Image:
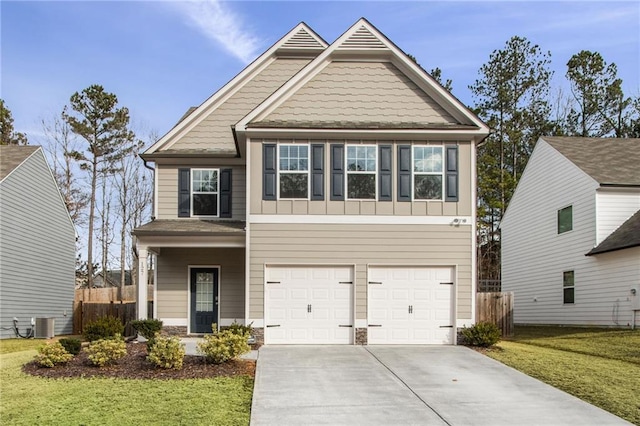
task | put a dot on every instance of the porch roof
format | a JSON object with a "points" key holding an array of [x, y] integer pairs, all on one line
{"points": [[189, 227]]}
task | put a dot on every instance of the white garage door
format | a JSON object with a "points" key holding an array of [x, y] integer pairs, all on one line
{"points": [[410, 305], [309, 305]]}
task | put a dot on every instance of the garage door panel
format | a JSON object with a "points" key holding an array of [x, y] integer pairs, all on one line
{"points": [[417, 307], [316, 301]]}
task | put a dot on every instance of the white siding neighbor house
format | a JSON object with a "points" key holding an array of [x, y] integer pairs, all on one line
{"points": [[37, 244], [571, 234], [325, 195]]}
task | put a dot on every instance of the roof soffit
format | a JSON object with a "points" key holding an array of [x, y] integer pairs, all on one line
{"points": [[362, 41], [194, 118]]}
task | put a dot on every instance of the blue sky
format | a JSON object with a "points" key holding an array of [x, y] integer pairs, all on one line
{"points": [[162, 57]]}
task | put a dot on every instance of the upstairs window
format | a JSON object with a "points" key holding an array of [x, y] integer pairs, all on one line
{"points": [[204, 192], [293, 171], [565, 219], [427, 173], [361, 172], [568, 287]]}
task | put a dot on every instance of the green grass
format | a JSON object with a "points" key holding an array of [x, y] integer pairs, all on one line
{"points": [[17, 345], [599, 366], [28, 400]]}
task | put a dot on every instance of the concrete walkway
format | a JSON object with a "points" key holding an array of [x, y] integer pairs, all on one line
{"points": [[405, 385]]}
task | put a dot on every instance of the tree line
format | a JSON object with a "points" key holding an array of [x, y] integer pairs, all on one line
{"points": [[93, 154], [513, 94]]}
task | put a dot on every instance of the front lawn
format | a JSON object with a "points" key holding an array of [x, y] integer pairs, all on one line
{"points": [[29, 400], [17, 345], [599, 366]]}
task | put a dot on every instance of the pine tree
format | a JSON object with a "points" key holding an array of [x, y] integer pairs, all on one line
{"points": [[8, 135]]}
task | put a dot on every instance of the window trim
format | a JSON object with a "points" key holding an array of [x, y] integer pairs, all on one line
{"points": [[566, 287], [558, 219], [308, 171], [358, 172], [442, 174], [192, 192]]}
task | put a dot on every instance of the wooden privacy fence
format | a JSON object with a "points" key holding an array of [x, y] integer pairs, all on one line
{"points": [[111, 294], [84, 312], [496, 308]]}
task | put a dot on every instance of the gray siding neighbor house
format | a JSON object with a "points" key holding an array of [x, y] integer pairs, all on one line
{"points": [[571, 234], [37, 243], [325, 195]]}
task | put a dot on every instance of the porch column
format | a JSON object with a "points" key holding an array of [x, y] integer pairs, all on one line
{"points": [[143, 272]]}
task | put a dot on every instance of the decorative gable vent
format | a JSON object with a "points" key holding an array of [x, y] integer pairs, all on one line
{"points": [[302, 39], [362, 38]]}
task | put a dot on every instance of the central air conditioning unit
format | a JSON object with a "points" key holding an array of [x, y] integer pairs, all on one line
{"points": [[44, 328]]}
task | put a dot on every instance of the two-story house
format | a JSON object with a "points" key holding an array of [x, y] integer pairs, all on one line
{"points": [[326, 194], [571, 234]]}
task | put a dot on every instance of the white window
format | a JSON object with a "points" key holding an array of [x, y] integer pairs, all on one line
{"points": [[428, 167], [293, 171], [204, 192], [361, 172]]}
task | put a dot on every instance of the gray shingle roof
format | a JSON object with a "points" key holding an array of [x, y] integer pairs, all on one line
{"points": [[359, 125], [626, 236], [187, 227], [11, 156], [610, 161]]}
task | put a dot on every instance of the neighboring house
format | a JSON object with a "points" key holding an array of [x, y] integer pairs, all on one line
{"points": [[37, 243], [571, 234], [112, 278], [326, 194]]}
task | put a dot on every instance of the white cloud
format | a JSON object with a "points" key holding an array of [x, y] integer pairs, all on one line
{"points": [[219, 23]]}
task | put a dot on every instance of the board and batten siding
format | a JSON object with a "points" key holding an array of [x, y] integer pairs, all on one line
{"points": [[214, 131], [167, 199], [463, 207], [534, 255], [614, 207], [360, 245], [37, 249], [172, 290], [372, 92]]}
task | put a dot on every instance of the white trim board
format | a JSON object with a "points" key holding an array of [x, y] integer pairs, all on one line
{"points": [[363, 220]]}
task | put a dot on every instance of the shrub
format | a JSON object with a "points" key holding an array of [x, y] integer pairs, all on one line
{"points": [[147, 328], [166, 352], [103, 328], [242, 330], [51, 354], [483, 334], [71, 345], [107, 351], [224, 345]]}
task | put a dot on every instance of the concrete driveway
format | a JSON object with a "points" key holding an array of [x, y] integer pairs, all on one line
{"points": [[404, 385]]}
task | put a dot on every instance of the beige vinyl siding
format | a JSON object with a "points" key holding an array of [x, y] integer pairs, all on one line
{"points": [[367, 207], [360, 245], [534, 255], [214, 132], [361, 92], [37, 249], [167, 199], [173, 280]]}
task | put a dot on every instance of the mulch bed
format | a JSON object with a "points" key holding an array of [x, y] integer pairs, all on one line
{"points": [[135, 366]]}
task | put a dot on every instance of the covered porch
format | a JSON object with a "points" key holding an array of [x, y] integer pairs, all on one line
{"points": [[199, 273]]}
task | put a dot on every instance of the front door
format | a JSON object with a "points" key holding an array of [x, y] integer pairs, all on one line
{"points": [[204, 299]]}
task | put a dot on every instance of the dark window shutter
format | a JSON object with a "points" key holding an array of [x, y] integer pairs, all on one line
{"points": [[317, 172], [337, 172], [404, 173], [384, 173], [184, 192], [225, 193], [451, 182], [269, 172]]}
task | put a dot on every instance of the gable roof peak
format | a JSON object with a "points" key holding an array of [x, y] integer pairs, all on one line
{"points": [[302, 37], [363, 35]]}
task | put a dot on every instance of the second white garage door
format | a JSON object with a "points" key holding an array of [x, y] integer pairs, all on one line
{"points": [[309, 305], [411, 305]]}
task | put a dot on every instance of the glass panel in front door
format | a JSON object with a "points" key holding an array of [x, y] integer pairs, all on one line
{"points": [[204, 292]]}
